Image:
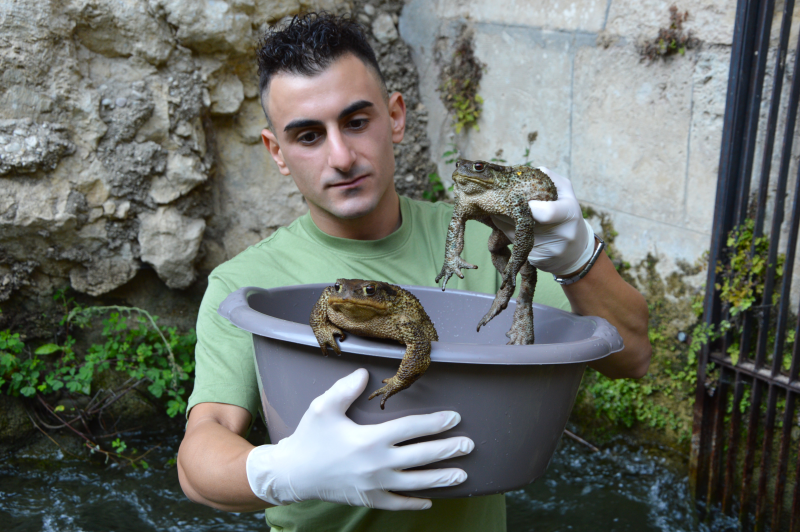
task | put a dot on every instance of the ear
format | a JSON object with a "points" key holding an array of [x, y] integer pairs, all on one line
{"points": [[397, 116], [274, 149]]}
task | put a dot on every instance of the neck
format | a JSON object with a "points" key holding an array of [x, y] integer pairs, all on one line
{"points": [[381, 222]]}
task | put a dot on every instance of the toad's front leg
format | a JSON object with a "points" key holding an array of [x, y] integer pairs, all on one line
{"points": [[523, 241], [322, 326], [454, 245]]}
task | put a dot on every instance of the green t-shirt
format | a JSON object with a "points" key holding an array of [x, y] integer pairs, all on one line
{"points": [[301, 254]]}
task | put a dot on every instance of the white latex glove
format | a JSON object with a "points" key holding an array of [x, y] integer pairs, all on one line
{"points": [[331, 458], [563, 241]]}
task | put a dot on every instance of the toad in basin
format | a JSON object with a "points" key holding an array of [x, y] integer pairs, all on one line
{"points": [[379, 310], [483, 189]]}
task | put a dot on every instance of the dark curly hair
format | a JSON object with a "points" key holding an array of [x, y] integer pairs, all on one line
{"points": [[308, 45]]}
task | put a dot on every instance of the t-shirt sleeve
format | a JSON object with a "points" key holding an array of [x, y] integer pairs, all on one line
{"points": [[225, 365]]}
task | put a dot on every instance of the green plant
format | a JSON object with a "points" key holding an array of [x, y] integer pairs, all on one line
{"points": [[459, 82], [133, 344], [670, 40]]}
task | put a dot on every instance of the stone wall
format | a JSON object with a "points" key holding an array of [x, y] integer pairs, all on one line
{"points": [[130, 155], [130, 141], [639, 139]]}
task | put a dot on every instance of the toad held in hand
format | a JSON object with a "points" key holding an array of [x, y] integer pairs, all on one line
{"points": [[484, 189], [380, 310]]}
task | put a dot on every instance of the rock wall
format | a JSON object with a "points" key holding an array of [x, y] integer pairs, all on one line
{"points": [[130, 153], [639, 139], [130, 140]]}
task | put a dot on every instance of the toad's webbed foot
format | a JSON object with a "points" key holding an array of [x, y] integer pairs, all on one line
{"points": [[393, 385], [325, 336], [453, 266], [414, 364], [521, 331]]}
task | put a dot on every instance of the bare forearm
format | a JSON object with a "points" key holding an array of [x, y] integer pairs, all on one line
{"points": [[211, 468], [604, 293]]}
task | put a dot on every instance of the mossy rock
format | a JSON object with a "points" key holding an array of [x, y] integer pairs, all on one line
{"points": [[15, 425]]}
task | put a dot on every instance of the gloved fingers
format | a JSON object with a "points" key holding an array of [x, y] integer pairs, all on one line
{"points": [[341, 395], [554, 212], [384, 500], [408, 427], [425, 479], [419, 454]]}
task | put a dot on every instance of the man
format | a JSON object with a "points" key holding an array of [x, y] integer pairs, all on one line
{"points": [[332, 127]]}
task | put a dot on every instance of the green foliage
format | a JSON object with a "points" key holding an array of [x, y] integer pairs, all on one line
{"points": [[437, 191], [743, 274], [466, 107], [437, 187], [131, 342], [670, 40], [459, 82]]}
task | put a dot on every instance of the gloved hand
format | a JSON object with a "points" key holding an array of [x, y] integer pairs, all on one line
{"points": [[563, 241], [331, 458]]}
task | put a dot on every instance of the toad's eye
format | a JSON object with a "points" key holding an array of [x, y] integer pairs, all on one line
{"points": [[337, 287], [479, 167], [369, 290]]}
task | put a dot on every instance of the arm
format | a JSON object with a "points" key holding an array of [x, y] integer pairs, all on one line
{"points": [[328, 457], [563, 245], [212, 456], [604, 293]]}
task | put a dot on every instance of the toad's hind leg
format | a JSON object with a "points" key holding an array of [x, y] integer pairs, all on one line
{"points": [[414, 364], [521, 332], [498, 247]]}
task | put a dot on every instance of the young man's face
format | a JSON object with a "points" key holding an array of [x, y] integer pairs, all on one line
{"points": [[334, 134]]}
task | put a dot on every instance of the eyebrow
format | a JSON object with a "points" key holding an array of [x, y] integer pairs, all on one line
{"points": [[307, 122]]}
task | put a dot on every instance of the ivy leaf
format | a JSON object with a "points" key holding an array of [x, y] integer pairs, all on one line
{"points": [[48, 349]]}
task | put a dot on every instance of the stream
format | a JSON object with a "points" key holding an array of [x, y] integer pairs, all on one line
{"points": [[623, 487]]}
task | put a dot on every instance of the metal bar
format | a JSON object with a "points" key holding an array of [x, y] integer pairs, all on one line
{"points": [[715, 476], [750, 448], [795, 367], [730, 151], [725, 205], [701, 436], [733, 444], [766, 457], [783, 171], [777, 217], [753, 112], [765, 375], [794, 521], [783, 459], [774, 111], [755, 87]]}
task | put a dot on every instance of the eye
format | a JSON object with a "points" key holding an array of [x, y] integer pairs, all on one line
{"points": [[337, 287], [358, 123], [369, 290], [308, 138], [479, 167]]}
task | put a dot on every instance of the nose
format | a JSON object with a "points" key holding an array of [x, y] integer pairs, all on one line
{"points": [[340, 155]]}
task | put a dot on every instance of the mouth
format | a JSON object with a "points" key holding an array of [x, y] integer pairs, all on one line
{"points": [[350, 183], [463, 180]]}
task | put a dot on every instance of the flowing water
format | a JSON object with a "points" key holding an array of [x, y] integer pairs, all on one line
{"points": [[620, 488]]}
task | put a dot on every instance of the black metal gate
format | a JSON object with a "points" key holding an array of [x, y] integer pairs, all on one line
{"points": [[739, 465]]}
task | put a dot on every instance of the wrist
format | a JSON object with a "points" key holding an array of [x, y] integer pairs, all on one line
{"points": [[261, 474], [597, 248]]}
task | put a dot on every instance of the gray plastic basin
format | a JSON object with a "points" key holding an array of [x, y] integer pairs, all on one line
{"points": [[514, 401]]}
